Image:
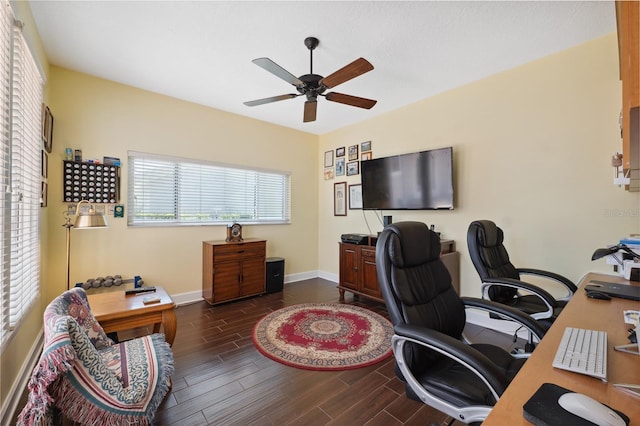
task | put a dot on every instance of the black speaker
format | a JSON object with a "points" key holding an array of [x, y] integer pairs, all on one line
{"points": [[275, 274], [386, 220]]}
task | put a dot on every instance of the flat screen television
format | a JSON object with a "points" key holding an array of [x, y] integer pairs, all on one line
{"points": [[416, 181]]}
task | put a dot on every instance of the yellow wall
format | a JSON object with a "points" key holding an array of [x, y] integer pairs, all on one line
{"points": [[532, 149], [104, 118]]}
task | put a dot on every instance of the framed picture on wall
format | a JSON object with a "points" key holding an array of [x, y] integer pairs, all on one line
{"points": [[353, 152], [328, 174], [47, 128], [340, 199], [340, 152], [339, 166], [355, 196], [328, 158], [45, 164], [365, 146], [366, 156], [44, 193], [353, 168]]}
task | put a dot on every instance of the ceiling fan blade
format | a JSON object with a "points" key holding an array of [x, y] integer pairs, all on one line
{"points": [[346, 73], [269, 100], [310, 108], [350, 100], [278, 71]]}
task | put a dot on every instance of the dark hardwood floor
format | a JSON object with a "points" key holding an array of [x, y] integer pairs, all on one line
{"points": [[221, 379]]}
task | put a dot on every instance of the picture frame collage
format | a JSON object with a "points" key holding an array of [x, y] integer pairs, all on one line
{"points": [[345, 161]]}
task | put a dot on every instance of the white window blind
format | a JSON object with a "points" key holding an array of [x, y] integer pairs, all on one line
{"points": [[165, 190], [20, 174], [6, 25]]}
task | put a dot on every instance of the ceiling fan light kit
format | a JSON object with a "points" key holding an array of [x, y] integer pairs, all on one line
{"points": [[313, 85]]}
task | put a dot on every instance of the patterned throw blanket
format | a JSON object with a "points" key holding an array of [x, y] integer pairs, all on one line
{"points": [[90, 379]]}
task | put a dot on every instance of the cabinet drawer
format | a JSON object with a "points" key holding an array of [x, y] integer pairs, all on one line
{"points": [[238, 251], [370, 255]]}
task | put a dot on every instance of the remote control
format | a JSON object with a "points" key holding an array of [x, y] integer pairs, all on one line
{"points": [[150, 299], [139, 290]]}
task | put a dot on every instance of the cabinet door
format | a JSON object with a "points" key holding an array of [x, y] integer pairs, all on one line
{"points": [[253, 276], [348, 266], [226, 281], [369, 284]]}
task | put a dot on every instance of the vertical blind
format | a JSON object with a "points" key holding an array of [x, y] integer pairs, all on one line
{"points": [[20, 174], [165, 190]]}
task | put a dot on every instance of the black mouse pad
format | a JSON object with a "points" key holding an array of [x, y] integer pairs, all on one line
{"points": [[542, 409]]}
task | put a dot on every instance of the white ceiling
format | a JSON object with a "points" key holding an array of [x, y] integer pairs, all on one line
{"points": [[201, 51]]}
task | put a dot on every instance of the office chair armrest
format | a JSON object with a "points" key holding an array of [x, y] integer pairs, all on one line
{"points": [[474, 360], [542, 294], [571, 287], [508, 313]]}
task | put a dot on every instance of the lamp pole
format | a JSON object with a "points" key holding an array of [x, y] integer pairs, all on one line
{"points": [[68, 225]]}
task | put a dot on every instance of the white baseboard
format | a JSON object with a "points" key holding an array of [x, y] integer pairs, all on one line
{"points": [[196, 296], [329, 277], [482, 319], [187, 298], [301, 276], [10, 407]]}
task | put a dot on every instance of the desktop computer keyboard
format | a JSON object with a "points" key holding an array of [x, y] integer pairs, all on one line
{"points": [[583, 351]]}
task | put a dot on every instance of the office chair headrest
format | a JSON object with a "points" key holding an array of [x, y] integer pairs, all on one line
{"points": [[489, 235], [416, 244]]}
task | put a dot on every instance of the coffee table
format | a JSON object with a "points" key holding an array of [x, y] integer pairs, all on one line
{"points": [[116, 311]]}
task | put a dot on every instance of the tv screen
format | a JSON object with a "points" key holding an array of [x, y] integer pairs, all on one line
{"points": [[416, 181]]}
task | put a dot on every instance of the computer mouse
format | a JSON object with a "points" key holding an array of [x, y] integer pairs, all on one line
{"points": [[589, 409], [598, 295]]}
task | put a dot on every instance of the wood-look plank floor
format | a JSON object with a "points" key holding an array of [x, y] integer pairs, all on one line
{"points": [[221, 379]]}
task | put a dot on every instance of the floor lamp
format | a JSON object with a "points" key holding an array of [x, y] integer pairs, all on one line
{"points": [[84, 220]]}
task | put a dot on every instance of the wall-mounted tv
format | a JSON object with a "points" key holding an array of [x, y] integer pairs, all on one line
{"points": [[416, 181]]}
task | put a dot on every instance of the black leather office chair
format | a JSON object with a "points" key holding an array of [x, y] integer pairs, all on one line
{"points": [[439, 367], [501, 281]]}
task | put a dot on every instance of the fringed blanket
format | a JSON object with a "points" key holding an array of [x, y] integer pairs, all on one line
{"points": [[115, 384]]}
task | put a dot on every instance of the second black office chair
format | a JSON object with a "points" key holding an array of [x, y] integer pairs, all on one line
{"points": [[439, 367], [501, 280]]}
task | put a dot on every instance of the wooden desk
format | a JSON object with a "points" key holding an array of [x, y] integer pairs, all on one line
{"points": [[116, 312], [580, 312]]}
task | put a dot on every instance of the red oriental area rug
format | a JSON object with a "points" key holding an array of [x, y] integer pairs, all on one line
{"points": [[324, 336]]}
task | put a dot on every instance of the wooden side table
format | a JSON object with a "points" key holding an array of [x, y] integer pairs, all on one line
{"points": [[116, 311]]}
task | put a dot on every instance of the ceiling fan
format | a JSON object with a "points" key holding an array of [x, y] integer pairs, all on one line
{"points": [[312, 85]]}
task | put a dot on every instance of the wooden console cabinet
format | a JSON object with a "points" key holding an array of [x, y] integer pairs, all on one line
{"points": [[233, 270], [358, 273]]}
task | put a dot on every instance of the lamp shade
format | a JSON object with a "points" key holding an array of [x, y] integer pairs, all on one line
{"points": [[602, 252], [90, 220]]}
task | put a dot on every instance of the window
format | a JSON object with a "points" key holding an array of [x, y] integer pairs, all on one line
{"points": [[176, 191], [20, 157]]}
